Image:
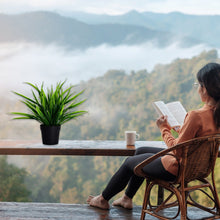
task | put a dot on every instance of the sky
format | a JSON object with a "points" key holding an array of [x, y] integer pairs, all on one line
{"points": [[113, 6]]}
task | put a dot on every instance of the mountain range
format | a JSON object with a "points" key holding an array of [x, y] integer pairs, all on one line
{"points": [[204, 28], [81, 31]]}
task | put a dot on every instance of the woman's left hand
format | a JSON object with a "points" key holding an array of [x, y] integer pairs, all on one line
{"points": [[162, 120]]}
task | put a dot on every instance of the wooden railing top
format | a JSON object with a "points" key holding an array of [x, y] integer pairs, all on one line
{"points": [[73, 147]]}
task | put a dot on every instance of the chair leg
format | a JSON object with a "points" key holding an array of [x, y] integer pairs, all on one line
{"points": [[217, 202], [215, 195], [146, 199], [160, 195], [183, 204]]}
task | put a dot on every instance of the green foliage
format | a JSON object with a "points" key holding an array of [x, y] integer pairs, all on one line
{"points": [[40, 187], [71, 179], [55, 107], [12, 184]]}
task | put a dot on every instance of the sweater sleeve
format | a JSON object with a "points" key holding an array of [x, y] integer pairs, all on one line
{"points": [[192, 124]]}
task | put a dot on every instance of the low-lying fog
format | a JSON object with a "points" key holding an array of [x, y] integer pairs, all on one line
{"points": [[37, 63]]}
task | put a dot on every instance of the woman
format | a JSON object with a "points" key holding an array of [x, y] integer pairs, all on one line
{"points": [[198, 123]]}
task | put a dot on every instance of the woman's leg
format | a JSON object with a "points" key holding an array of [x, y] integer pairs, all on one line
{"points": [[118, 182], [154, 169], [120, 179], [143, 150], [136, 181]]}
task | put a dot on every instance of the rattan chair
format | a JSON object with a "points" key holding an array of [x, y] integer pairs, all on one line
{"points": [[198, 157]]}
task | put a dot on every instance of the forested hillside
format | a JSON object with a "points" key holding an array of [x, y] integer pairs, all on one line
{"points": [[119, 101], [116, 102]]}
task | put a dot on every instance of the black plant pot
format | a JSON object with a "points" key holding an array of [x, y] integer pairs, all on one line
{"points": [[50, 134]]}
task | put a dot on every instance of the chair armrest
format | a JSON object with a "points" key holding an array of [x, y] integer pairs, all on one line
{"points": [[138, 169]]}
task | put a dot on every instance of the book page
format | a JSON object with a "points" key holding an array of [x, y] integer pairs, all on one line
{"points": [[178, 111], [162, 109]]}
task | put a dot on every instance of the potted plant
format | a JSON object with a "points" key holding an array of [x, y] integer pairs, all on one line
{"points": [[51, 108]]}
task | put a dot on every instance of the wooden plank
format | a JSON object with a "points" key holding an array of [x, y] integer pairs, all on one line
{"points": [[58, 211]]}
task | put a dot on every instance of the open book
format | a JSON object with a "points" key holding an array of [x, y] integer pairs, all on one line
{"points": [[174, 110]]}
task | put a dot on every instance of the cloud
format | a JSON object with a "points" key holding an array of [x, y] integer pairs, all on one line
{"points": [[113, 6], [34, 63]]}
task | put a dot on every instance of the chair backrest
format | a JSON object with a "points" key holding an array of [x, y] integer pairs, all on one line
{"points": [[198, 158]]}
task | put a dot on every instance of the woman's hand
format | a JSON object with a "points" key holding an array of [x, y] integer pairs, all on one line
{"points": [[162, 120]]}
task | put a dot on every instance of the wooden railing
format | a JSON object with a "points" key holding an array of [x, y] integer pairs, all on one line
{"points": [[72, 147]]}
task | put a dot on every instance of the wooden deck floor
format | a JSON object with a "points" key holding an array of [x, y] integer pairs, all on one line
{"points": [[58, 211]]}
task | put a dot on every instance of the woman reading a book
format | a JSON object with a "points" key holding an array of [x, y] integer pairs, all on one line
{"points": [[197, 123]]}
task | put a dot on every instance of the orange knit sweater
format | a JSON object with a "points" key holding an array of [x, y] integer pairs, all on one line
{"points": [[197, 123]]}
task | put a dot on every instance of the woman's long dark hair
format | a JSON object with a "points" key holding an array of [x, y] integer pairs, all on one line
{"points": [[209, 76]]}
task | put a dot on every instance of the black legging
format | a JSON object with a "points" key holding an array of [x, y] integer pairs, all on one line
{"points": [[125, 175]]}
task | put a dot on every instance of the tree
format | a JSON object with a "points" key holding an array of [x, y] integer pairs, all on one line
{"points": [[12, 184]]}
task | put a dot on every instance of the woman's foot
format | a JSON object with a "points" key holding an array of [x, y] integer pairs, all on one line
{"points": [[124, 202], [98, 201]]}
